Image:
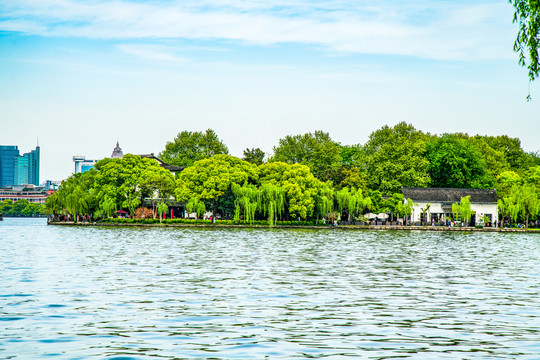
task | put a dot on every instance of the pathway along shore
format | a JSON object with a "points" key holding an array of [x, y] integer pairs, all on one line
{"points": [[322, 227]]}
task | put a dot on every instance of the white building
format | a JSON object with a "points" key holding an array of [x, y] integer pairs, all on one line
{"points": [[440, 200]]}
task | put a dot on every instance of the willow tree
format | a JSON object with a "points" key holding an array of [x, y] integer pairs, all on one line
{"points": [[463, 209], [195, 205], [299, 186], [325, 200], [527, 44], [272, 201], [108, 206], [248, 198], [352, 201], [530, 203], [209, 179]]}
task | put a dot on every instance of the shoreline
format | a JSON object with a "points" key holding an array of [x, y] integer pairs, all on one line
{"points": [[340, 227]]}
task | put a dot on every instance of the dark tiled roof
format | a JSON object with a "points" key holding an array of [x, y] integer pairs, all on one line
{"points": [[164, 165], [449, 195]]}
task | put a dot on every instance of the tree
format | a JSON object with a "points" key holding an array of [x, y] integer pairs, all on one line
{"points": [[119, 180], [162, 209], [352, 201], [513, 155], [254, 156], [209, 179], [527, 14], [530, 203], [189, 147], [299, 186], [463, 210], [315, 150], [453, 163], [158, 184], [395, 157]]}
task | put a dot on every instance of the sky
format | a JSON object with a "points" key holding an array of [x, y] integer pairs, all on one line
{"points": [[78, 76]]}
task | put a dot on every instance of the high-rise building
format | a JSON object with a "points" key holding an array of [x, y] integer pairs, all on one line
{"points": [[18, 169], [8, 154]]}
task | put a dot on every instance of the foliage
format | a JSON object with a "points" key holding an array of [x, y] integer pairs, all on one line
{"points": [[298, 184], [207, 180], [272, 201], [254, 156], [352, 202], [463, 210], [315, 150], [21, 208], [454, 163], [162, 209], [158, 184], [395, 157], [189, 147], [527, 15]]}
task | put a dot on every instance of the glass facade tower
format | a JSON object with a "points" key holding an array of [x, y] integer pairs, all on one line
{"points": [[16, 169]]}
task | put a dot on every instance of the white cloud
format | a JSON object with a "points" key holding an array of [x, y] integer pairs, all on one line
{"points": [[427, 29], [152, 52]]}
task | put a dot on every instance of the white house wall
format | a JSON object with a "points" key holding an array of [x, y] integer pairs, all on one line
{"points": [[479, 209]]}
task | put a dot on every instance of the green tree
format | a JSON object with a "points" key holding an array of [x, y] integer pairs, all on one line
{"points": [[530, 203], [463, 210], [395, 157], [191, 146], [254, 156], [513, 155], [120, 180], [53, 205], [454, 163], [315, 150], [6, 206], [353, 202], [248, 198], [158, 184], [527, 15], [162, 208], [299, 185], [209, 179], [272, 201]]}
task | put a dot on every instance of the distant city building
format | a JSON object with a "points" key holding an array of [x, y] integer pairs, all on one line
{"points": [[117, 152], [83, 164], [34, 194], [51, 184], [16, 169]]}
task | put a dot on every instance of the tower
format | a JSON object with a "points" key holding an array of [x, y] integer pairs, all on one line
{"points": [[117, 152]]}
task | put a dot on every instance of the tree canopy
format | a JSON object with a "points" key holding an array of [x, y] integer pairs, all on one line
{"points": [[209, 179], [454, 163], [395, 157], [191, 146], [315, 150]]}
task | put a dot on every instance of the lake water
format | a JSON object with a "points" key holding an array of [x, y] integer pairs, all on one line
{"points": [[179, 293]]}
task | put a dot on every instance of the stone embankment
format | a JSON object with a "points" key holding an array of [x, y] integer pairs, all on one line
{"points": [[327, 227]]}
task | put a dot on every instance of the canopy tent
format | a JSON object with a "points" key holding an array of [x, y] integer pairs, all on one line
{"points": [[382, 216]]}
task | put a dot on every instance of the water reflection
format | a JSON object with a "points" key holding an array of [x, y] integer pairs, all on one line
{"points": [[135, 293]]}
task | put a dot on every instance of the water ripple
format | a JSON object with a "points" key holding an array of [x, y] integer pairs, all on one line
{"points": [[126, 293]]}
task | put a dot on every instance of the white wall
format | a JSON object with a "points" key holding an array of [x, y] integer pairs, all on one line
{"points": [[480, 209]]}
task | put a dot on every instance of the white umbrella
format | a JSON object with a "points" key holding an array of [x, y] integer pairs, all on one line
{"points": [[382, 216], [370, 216]]}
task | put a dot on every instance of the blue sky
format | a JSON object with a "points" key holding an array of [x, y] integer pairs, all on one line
{"points": [[79, 75]]}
